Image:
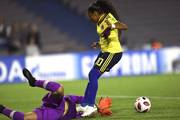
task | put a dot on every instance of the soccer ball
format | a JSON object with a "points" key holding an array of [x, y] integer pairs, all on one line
{"points": [[142, 104]]}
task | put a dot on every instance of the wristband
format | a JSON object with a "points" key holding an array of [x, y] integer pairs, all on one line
{"points": [[113, 26]]}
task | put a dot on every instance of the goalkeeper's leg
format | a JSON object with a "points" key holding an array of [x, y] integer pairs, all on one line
{"points": [[15, 115], [48, 85]]}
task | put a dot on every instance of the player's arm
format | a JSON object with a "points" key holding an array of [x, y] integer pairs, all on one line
{"points": [[116, 25], [119, 25]]}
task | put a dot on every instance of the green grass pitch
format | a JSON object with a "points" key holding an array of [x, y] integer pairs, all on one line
{"points": [[163, 91]]}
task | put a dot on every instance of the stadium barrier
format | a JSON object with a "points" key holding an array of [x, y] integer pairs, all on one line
{"points": [[75, 66]]}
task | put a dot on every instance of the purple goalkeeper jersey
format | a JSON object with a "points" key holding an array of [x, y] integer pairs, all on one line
{"points": [[58, 103]]}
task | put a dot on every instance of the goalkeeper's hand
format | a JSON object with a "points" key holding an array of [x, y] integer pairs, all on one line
{"points": [[104, 106]]}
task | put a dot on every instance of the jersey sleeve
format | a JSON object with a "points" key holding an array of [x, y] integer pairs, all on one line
{"points": [[111, 19], [104, 25], [108, 21]]}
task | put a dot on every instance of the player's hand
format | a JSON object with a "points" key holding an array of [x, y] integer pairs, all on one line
{"points": [[95, 45]]}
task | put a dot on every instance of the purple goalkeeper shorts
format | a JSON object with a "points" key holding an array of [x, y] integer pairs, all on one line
{"points": [[45, 113]]}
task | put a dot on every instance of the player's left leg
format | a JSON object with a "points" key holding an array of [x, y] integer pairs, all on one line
{"points": [[15, 115], [93, 76], [103, 63], [89, 97], [88, 103]]}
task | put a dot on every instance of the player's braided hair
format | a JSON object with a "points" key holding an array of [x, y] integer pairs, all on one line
{"points": [[103, 6]]}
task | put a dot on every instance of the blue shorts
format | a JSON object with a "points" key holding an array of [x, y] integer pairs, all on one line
{"points": [[45, 113]]}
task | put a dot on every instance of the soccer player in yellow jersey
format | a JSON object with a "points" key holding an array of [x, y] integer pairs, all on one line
{"points": [[103, 14]]}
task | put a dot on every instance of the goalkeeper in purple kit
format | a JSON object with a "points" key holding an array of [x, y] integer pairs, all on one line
{"points": [[55, 105]]}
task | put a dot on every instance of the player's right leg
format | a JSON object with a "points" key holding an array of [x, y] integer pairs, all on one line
{"points": [[15, 115], [48, 85]]}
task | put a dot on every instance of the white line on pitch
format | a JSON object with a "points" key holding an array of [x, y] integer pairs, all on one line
{"points": [[111, 96], [133, 97]]}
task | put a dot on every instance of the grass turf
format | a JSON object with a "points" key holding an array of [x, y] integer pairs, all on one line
{"points": [[163, 91]]}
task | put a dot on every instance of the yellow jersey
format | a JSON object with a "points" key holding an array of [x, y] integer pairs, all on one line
{"points": [[111, 43]]}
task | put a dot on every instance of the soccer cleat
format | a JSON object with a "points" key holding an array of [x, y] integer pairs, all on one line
{"points": [[29, 77], [89, 111], [1, 108], [81, 108]]}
